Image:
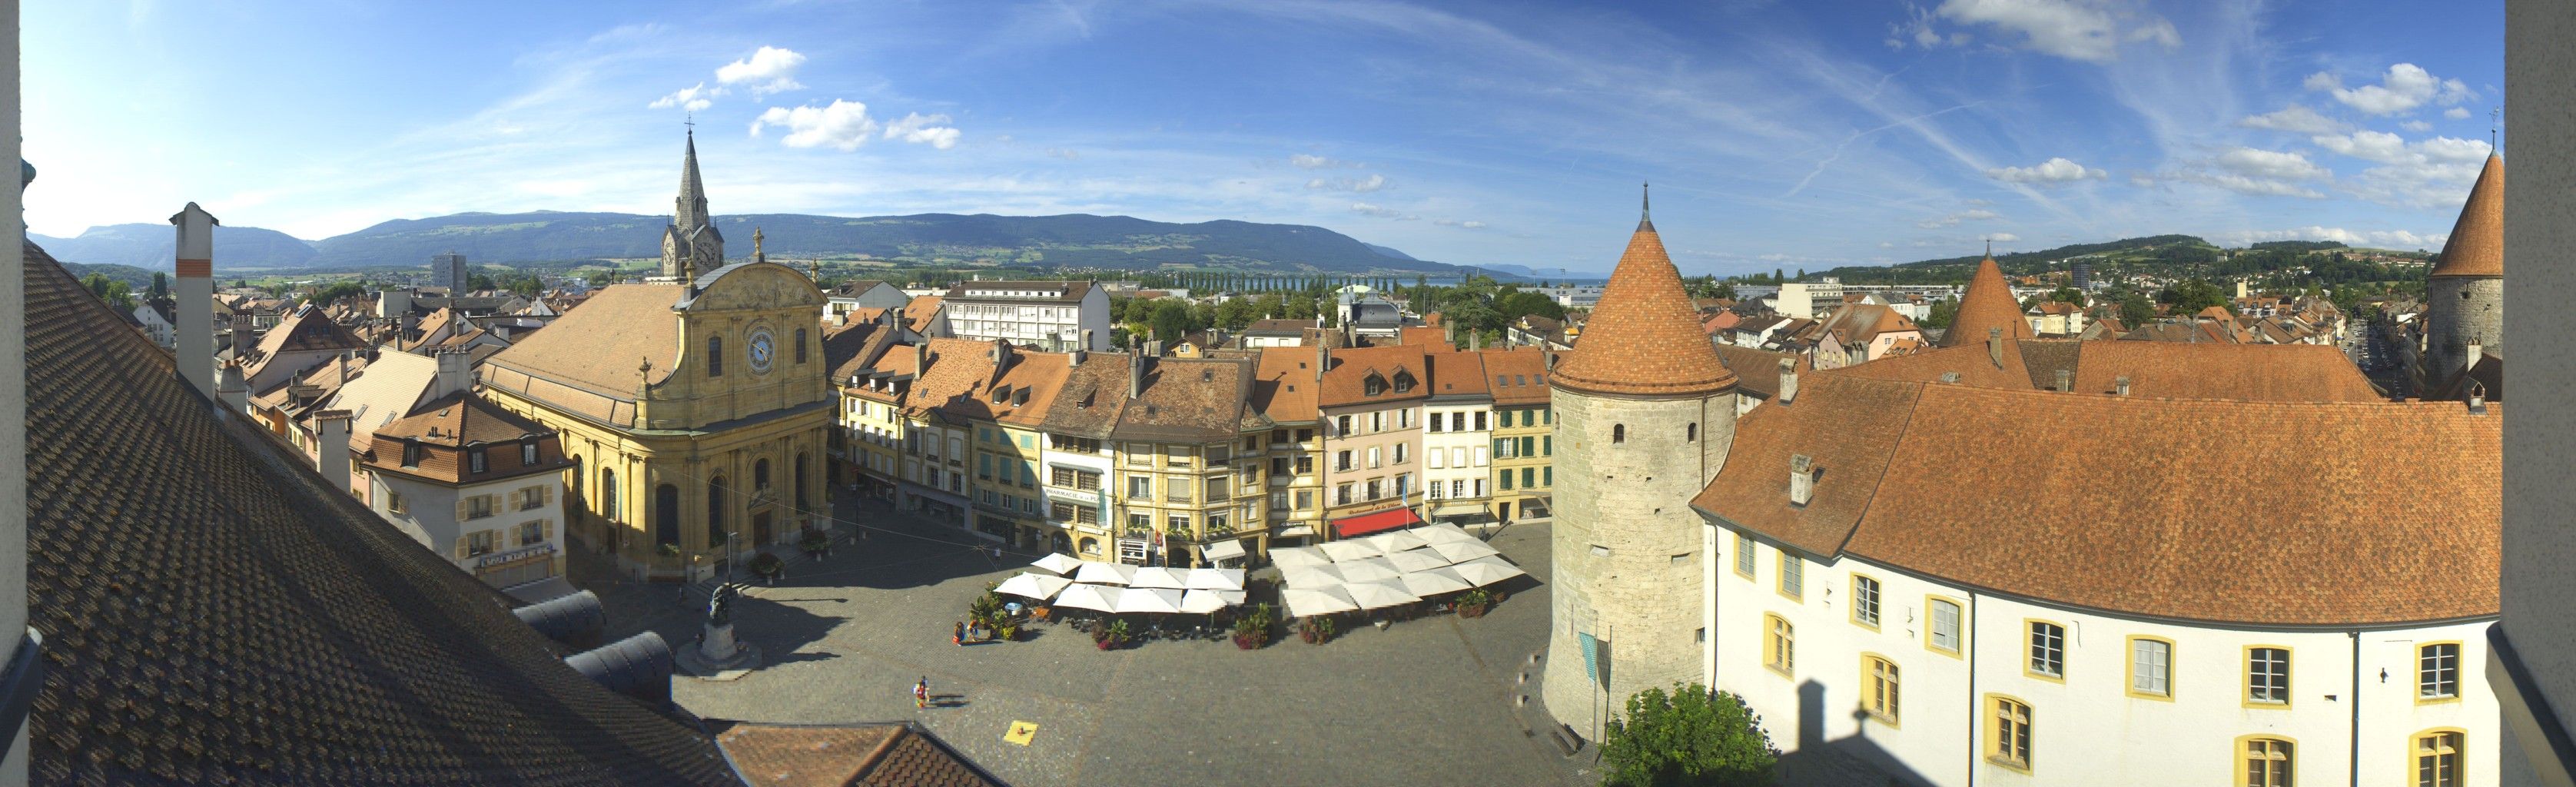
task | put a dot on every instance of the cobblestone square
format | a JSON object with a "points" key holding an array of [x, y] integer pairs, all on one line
{"points": [[1422, 702]]}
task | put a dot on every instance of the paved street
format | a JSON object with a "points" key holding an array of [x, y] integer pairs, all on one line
{"points": [[1423, 702]]}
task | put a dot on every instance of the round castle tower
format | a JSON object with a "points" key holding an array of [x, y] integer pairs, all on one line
{"points": [[2464, 298], [1645, 413]]}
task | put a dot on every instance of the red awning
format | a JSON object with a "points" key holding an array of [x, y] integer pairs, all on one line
{"points": [[1365, 524]]}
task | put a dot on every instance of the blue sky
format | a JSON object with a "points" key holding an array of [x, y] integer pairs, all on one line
{"points": [[1777, 134]]}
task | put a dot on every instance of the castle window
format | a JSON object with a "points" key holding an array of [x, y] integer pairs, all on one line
{"points": [[2437, 673], [1691, 434], [1618, 433], [2267, 676]]}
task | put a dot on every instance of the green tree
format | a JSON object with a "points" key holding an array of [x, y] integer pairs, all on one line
{"points": [[160, 285], [337, 291], [1170, 320], [1235, 313], [1943, 311], [1270, 306], [1692, 737], [2136, 310], [478, 283], [2193, 295], [601, 279], [114, 291], [2067, 295]]}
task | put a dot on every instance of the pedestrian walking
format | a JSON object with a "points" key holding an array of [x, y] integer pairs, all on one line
{"points": [[921, 693], [959, 638]]}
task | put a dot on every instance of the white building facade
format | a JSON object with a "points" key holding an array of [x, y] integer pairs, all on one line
{"points": [[1055, 316], [1957, 686], [1457, 446]]}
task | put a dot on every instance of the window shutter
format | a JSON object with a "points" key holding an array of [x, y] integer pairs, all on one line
{"points": [[460, 547], [545, 495], [549, 529], [461, 511], [517, 498]]}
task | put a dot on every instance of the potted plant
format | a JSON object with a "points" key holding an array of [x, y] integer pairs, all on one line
{"points": [[1316, 630], [769, 567], [816, 543], [1253, 629], [1007, 632], [1472, 604], [1111, 636]]}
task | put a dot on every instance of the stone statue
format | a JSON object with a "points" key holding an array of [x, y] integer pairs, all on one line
{"points": [[720, 605]]}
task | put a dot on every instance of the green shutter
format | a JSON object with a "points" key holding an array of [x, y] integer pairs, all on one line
{"points": [[1504, 478], [1529, 477], [1547, 445], [1529, 446], [1547, 475]]}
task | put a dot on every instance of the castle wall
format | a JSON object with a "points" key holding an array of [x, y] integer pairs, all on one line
{"points": [[2461, 311]]}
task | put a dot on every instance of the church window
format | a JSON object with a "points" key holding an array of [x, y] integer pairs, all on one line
{"points": [[715, 356], [800, 345]]}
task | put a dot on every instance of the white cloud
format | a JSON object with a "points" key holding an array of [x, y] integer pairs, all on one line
{"points": [[2003, 237], [844, 124], [924, 129], [2416, 126], [1360, 185], [2272, 164], [1472, 225], [1367, 209], [2055, 170], [2294, 118], [2405, 87], [2073, 29], [2431, 172], [2378, 146], [768, 70], [2256, 172], [1953, 219], [1067, 154], [692, 98], [1303, 161], [2456, 113], [2391, 239]]}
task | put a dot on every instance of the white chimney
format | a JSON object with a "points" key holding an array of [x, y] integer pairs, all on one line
{"points": [[230, 391], [2122, 385], [455, 374], [392, 302], [195, 293], [331, 447], [2476, 353], [1802, 479], [1788, 380], [1995, 346], [2065, 380]]}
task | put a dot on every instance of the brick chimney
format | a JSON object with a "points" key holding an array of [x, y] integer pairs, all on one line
{"points": [[1323, 360], [343, 363], [195, 293], [1081, 352], [920, 359], [1135, 373], [244, 337], [1475, 340], [331, 447], [1788, 380], [1802, 479]]}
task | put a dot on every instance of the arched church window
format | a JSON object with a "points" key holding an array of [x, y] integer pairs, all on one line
{"points": [[1618, 433]]}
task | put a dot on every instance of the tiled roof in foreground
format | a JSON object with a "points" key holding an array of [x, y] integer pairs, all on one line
{"points": [[2137, 505], [214, 613]]}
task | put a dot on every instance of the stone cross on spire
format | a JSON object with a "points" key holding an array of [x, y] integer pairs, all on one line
{"points": [[757, 255], [1645, 207]]}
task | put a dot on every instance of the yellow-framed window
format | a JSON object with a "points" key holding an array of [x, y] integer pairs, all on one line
{"points": [[2436, 757], [2008, 732], [1880, 688], [2264, 761], [2437, 672], [1865, 595], [2047, 649], [1793, 576], [2267, 676], [1945, 624], [1744, 556], [2151, 668], [1782, 654]]}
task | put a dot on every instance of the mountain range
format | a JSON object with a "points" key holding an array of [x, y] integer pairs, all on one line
{"points": [[1067, 241]]}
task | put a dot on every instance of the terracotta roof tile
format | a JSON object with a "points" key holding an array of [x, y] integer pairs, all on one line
{"points": [[1458, 374], [858, 755], [1196, 399], [1284, 385], [170, 553], [1644, 338], [598, 347], [1346, 383], [1518, 375], [1758, 371], [1092, 396], [2476, 245], [2090, 534], [1988, 303], [2173, 370]]}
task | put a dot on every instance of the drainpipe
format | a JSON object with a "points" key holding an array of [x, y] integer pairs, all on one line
{"points": [[1976, 706], [2355, 768]]}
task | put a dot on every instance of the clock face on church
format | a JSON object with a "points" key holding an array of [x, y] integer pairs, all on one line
{"points": [[760, 351]]}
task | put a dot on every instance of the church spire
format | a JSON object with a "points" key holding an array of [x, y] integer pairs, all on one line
{"points": [[689, 211], [1645, 207]]}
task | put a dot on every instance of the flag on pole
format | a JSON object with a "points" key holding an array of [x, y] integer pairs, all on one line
{"points": [[1591, 655]]}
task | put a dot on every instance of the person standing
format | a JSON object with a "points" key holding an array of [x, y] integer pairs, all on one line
{"points": [[921, 693], [959, 638]]}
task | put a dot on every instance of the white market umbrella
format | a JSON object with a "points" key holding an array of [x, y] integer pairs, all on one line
{"points": [[1284, 557], [1201, 602], [1036, 586], [1432, 583], [1098, 573], [1102, 598], [1302, 602], [1487, 570], [1374, 569], [1394, 541], [1345, 551], [1461, 551], [1057, 562], [1232, 597], [1443, 534], [1150, 577], [1310, 576], [1379, 595], [1214, 579], [1148, 600], [1416, 560]]}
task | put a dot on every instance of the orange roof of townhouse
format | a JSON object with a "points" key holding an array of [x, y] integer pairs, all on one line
{"points": [[920, 311], [1458, 374], [1519, 375], [1987, 305], [2149, 549], [1284, 384], [1644, 338], [1346, 381], [2476, 245]]}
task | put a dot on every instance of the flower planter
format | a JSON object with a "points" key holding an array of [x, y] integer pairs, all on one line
{"points": [[1247, 642], [1471, 610]]}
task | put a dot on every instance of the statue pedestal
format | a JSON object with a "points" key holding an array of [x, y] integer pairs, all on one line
{"points": [[717, 651]]}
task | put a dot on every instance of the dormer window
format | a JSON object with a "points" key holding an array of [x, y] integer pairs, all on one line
{"points": [[1403, 382], [411, 454], [1373, 385]]}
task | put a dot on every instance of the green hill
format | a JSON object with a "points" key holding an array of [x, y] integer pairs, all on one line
{"points": [[1068, 241], [152, 247]]}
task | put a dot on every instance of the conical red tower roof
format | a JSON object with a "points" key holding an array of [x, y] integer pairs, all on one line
{"points": [[2476, 246], [1987, 304], [1644, 338]]}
